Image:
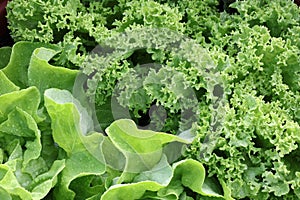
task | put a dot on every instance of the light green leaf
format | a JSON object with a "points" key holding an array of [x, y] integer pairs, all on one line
{"points": [[142, 148], [19, 123], [6, 85], [37, 189], [70, 121], [4, 195], [113, 157], [43, 183], [17, 68], [4, 56], [161, 173], [22, 124], [130, 191], [185, 173], [70, 124], [43, 75], [79, 164], [172, 191], [27, 99], [10, 183]]}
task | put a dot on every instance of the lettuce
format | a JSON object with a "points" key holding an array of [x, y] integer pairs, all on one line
{"points": [[70, 137], [57, 77], [6, 85], [219, 75], [4, 56], [164, 182], [25, 173]]}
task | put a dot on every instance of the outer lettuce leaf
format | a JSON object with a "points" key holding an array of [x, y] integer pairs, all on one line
{"points": [[6, 85], [27, 100], [186, 173], [130, 191], [43, 75], [17, 68], [113, 156], [4, 56], [160, 173], [4, 194], [142, 148], [70, 124]]}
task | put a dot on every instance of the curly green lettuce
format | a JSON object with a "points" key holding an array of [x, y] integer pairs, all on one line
{"points": [[259, 144]]}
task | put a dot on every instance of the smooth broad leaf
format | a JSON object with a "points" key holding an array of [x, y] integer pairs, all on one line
{"points": [[192, 175], [142, 148], [26, 99], [70, 121], [172, 191], [161, 173], [71, 124], [113, 157], [186, 173], [4, 56], [17, 68], [43, 75], [4, 195], [6, 85], [130, 191]]}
